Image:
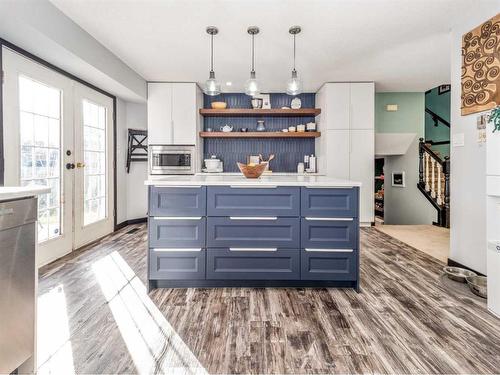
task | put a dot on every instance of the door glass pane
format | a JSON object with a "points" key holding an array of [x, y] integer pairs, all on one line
{"points": [[40, 127], [94, 153]]}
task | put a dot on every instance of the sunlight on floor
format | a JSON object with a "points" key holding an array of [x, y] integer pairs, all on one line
{"points": [[54, 352], [151, 341]]}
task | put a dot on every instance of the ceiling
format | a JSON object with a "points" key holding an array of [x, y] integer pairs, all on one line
{"points": [[402, 45]]}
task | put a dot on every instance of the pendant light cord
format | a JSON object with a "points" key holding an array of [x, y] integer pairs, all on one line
{"points": [[212, 52], [253, 53], [293, 52]]}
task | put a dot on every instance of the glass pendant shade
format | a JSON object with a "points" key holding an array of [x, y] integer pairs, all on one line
{"points": [[294, 85], [252, 85], [212, 86]]}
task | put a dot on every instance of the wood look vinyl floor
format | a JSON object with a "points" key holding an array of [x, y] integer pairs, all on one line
{"points": [[95, 317]]}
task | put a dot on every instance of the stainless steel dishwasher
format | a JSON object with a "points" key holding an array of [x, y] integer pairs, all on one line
{"points": [[17, 282]]}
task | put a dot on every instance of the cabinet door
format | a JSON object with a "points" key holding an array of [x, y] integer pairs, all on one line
{"points": [[159, 113], [337, 110], [362, 108], [362, 168], [337, 153], [184, 113]]}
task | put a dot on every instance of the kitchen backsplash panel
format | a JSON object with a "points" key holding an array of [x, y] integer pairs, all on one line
{"points": [[288, 151]]}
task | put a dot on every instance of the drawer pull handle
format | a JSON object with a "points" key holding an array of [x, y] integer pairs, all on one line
{"points": [[253, 249], [330, 250], [253, 186], [167, 250], [177, 217], [253, 217], [329, 218]]}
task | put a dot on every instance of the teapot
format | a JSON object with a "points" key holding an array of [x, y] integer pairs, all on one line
{"points": [[226, 128]]}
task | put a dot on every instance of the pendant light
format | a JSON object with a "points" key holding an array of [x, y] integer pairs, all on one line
{"points": [[212, 87], [252, 85], [294, 85]]}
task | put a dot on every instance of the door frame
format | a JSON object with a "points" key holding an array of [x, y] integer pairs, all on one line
{"points": [[23, 52]]}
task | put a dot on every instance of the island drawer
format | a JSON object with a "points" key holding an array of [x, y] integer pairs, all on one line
{"points": [[329, 233], [253, 232], [262, 201], [178, 201], [323, 202], [177, 232], [328, 264], [177, 264], [253, 264]]}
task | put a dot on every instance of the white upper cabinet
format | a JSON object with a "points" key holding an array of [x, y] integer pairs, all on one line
{"points": [[362, 114], [173, 113], [159, 113], [337, 106]]}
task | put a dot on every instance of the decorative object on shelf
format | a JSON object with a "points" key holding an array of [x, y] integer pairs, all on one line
{"points": [[268, 162], [218, 105], [292, 129], [481, 67], [136, 141], [294, 85], [284, 130], [252, 170], [243, 130], [398, 179], [300, 168], [494, 118], [266, 100], [285, 133], [311, 127], [261, 126], [226, 128], [210, 130], [252, 85], [212, 86], [256, 103], [301, 128], [296, 103]]}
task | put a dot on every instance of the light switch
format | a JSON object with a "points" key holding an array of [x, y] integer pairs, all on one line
{"points": [[458, 140]]}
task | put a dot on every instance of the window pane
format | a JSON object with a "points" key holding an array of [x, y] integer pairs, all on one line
{"points": [[40, 129]]}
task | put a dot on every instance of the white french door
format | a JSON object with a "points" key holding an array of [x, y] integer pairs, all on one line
{"points": [[58, 133], [94, 164]]}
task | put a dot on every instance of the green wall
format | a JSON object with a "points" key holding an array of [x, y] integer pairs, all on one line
{"points": [[409, 118], [439, 104]]}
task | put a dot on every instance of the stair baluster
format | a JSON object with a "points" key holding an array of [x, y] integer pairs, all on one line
{"points": [[427, 162], [439, 199], [433, 178]]}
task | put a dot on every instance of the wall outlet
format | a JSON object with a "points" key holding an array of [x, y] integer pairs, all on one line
{"points": [[481, 136]]}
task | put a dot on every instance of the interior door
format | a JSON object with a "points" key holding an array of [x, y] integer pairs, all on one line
{"points": [[94, 203], [38, 132]]}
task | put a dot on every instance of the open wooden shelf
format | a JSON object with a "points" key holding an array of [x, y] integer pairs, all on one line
{"points": [[260, 134], [246, 112]]}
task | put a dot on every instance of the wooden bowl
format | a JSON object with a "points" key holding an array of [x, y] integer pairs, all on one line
{"points": [[252, 171], [219, 105]]}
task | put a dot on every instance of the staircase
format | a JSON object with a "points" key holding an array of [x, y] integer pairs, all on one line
{"points": [[434, 180]]}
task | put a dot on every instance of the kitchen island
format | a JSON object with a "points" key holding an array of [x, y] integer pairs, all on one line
{"points": [[230, 231]]}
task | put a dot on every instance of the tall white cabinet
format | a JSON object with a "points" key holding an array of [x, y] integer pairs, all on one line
{"points": [[173, 115], [346, 148]]}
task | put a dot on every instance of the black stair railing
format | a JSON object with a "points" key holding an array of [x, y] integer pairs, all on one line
{"points": [[434, 181]]}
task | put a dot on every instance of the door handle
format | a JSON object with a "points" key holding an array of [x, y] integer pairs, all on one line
{"points": [[70, 166], [80, 165]]}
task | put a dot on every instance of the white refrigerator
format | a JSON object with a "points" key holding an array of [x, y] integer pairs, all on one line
{"points": [[493, 218]]}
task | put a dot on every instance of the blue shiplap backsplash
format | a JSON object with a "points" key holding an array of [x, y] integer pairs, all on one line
{"points": [[288, 151]]}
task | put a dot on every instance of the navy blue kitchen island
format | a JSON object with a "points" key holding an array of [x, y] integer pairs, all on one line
{"points": [[277, 231]]}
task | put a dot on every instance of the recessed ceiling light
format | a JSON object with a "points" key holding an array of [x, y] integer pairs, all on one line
{"points": [[229, 83]]}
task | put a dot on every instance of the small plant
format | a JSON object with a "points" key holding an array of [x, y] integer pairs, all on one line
{"points": [[495, 118]]}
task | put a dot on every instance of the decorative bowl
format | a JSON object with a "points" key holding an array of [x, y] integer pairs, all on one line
{"points": [[458, 274], [219, 105], [478, 285], [252, 171]]}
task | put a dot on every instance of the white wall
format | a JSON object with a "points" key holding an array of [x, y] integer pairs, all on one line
{"points": [[468, 163], [121, 158], [137, 192]]}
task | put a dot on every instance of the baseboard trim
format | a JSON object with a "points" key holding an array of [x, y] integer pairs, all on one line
{"points": [[453, 263], [123, 224]]}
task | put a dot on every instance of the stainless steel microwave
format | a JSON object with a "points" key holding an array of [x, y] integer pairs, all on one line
{"points": [[171, 159]]}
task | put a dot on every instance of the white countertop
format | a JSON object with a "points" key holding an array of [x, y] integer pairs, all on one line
{"points": [[240, 180], [16, 192]]}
